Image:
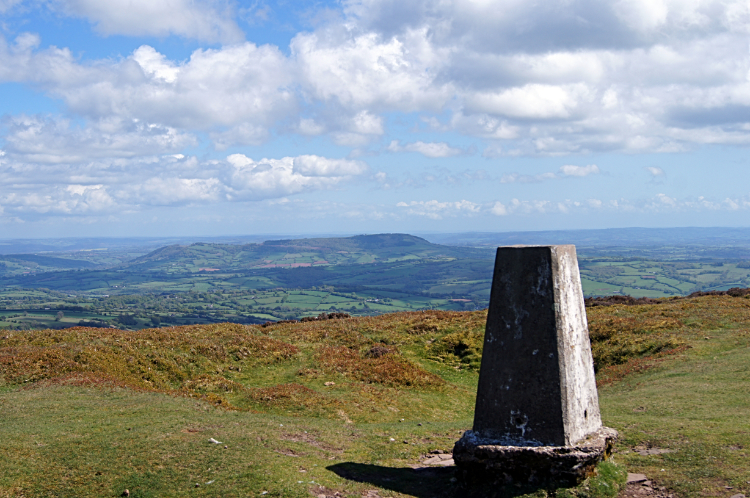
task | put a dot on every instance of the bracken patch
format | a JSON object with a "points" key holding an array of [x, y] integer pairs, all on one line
{"points": [[615, 373], [280, 393], [619, 335], [294, 397], [463, 348], [165, 360], [388, 369]]}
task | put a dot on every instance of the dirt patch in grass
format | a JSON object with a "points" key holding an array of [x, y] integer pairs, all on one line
{"points": [[282, 393], [324, 492], [294, 398], [379, 350]]}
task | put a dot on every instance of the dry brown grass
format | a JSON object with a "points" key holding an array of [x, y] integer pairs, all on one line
{"points": [[630, 335], [617, 339], [387, 369], [221, 363], [462, 348], [153, 359]]}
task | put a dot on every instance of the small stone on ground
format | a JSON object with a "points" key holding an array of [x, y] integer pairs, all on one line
{"points": [[639, 486], [652, 451], [636, 478], [440, 459], [324, 492]]}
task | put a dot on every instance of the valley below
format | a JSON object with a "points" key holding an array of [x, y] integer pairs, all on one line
{"points": [[136, 286]]}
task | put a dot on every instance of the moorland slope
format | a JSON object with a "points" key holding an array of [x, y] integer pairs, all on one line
{"points": [[350, 405]]}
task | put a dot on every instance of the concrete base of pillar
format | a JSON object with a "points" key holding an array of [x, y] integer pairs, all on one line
{"points": [[483, 461]]}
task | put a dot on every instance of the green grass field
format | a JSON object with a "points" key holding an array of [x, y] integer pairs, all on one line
{"points": [[38, 309], [649, 278], [350, 405]]}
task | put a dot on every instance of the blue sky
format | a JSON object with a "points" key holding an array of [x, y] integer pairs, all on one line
{"points": [[213, 117]]}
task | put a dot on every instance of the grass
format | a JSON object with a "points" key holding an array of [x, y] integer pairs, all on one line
{"points": [[349, 405], [695, 405]]}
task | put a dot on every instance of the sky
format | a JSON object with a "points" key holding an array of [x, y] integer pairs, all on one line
{"points": [[219, 117]]}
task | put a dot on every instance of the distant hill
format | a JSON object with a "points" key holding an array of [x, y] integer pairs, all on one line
{"points": [[46, 261], [454, 267], [300, 253], [682, 243], [113, 244]]}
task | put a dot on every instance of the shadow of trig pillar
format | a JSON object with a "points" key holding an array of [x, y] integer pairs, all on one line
{"points": [[537, 411]]}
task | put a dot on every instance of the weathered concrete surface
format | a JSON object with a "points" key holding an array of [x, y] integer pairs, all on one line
{"points": [[537, 411], [536, 383], [481, 461]]}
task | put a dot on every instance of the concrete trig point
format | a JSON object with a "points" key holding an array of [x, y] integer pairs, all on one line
{"points": [[537, 413]]}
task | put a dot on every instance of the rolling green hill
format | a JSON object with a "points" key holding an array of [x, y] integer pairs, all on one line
{"points": [[250, 282], [300, 253]]}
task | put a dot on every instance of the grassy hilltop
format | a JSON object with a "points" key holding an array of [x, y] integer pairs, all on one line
{"points": [[350, 405]]}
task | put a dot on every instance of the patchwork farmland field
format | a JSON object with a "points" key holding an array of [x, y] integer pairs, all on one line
{"points": [[289, 279]]}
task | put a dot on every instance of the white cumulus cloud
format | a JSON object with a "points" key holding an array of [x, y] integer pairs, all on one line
{"points": [[46, 139], [499, 209], [655, 171], [206, 20], [572, 170], [37, 184], [170, 191], [531, 101], [367, 71], [271, 178], [437, 210], [215, 89], [309, 165], [70, 200], [429, 149]]}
